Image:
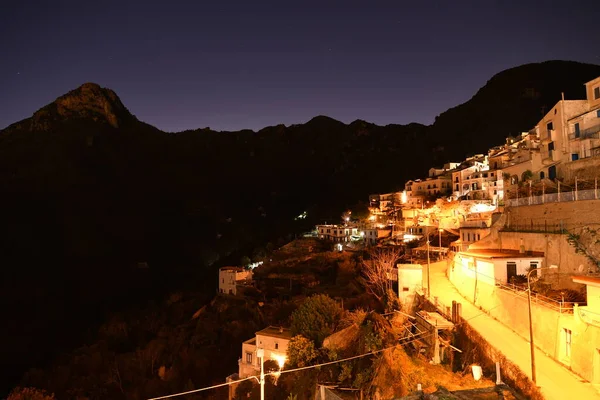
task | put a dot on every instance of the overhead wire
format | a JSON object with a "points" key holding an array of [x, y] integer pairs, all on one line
{"points": [[413, 339]]}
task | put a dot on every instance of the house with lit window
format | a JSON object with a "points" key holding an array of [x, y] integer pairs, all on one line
{"points": [[584, 137], [273, 340], [461, 175], [497, 266], [336, 233]]}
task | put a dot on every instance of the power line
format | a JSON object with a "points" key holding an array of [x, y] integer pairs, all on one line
{"points": [[415, 338], [288, 370], [202, 389]]}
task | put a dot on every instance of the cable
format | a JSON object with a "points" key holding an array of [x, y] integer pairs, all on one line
{"points": [[202, 389], [413, 339], [286, 371]]}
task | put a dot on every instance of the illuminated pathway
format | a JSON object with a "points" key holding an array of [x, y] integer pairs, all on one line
{"points": [[555, 381]]}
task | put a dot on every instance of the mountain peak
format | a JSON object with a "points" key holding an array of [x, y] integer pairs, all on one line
{"points": [[88, 101]]}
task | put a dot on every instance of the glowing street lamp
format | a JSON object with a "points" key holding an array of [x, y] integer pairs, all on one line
{"points": [[260, 353], [533, 377]]}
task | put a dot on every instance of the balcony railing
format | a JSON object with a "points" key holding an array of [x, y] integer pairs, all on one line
{"points": [[593, 132], [548, 155], [549, 136]]}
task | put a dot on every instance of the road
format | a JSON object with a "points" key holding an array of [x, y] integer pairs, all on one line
{"points": [[555, 381]]}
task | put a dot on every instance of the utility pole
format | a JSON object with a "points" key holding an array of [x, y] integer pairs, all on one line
{"points": [[260, 353], [428, 268]]}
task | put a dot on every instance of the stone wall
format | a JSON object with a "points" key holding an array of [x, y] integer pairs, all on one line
{"points": [[557, 250], [585, 169]]}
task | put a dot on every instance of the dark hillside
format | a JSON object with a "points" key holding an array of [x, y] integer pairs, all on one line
{"points": [[89, 194]]}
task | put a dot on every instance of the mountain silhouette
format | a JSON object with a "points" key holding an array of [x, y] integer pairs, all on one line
{"points": [[87, 192]]}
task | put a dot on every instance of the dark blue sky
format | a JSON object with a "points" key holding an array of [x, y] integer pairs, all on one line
{"points": [[249, 64]]}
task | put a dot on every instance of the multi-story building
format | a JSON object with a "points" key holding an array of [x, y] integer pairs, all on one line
{"points": [[460, 186], [385, 202], [273, 341], [553, 134], [337, 233], [583, 137]]}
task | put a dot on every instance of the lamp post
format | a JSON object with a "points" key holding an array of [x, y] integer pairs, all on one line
{"points": [[260, 353], [428, 267], [440, 236], [531, 344]]}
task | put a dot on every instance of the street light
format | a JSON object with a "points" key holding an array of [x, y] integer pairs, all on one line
{"points": [[531, 344], [428, 267], [440, 230], [260, 353]]}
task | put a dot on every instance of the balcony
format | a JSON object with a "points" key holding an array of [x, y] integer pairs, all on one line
{"points": [[549, 136], [593, 132], [550, 156]]}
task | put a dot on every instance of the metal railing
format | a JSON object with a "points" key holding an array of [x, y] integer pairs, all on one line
{"points": [[592, 132], [536, 298], [590, 194], [521, 291]]}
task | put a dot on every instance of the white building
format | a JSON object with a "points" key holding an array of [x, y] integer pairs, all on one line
{"points": [[273, 340], [232, 277], [492, 266], [336, 233]]}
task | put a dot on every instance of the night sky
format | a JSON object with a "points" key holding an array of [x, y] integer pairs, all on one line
{"points": [[230, 65]]}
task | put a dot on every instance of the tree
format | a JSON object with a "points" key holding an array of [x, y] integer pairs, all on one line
{"points": [[316, 318], [301, 351], [377, 273]]}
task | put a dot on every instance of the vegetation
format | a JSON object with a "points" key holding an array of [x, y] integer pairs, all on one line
{"points": [[90, 194], [377, 271], [316, 318]]}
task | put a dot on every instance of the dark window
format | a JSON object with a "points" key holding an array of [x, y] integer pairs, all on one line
{"points": [[574, 157], [549, 126], [550, 146], [276, 346], [542, 174], [577, 131], [457, 188], [597, 92], [248, 358], [598, 113]]}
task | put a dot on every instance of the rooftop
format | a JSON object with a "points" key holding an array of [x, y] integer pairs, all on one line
{"points": [[588, 280], [435, 319], [236, 269], [276, 331], [501, 253]]}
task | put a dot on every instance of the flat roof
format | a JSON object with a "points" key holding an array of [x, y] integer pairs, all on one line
{"points": [[236, 269], [276, 331], [435, 319], [588, 280], [501, 253]]}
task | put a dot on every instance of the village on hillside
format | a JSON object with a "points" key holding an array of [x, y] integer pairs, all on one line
{"points": [[511, 235]]}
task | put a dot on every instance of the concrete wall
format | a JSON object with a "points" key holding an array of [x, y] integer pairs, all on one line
{"points": [[569, 215], [550, 326]]}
